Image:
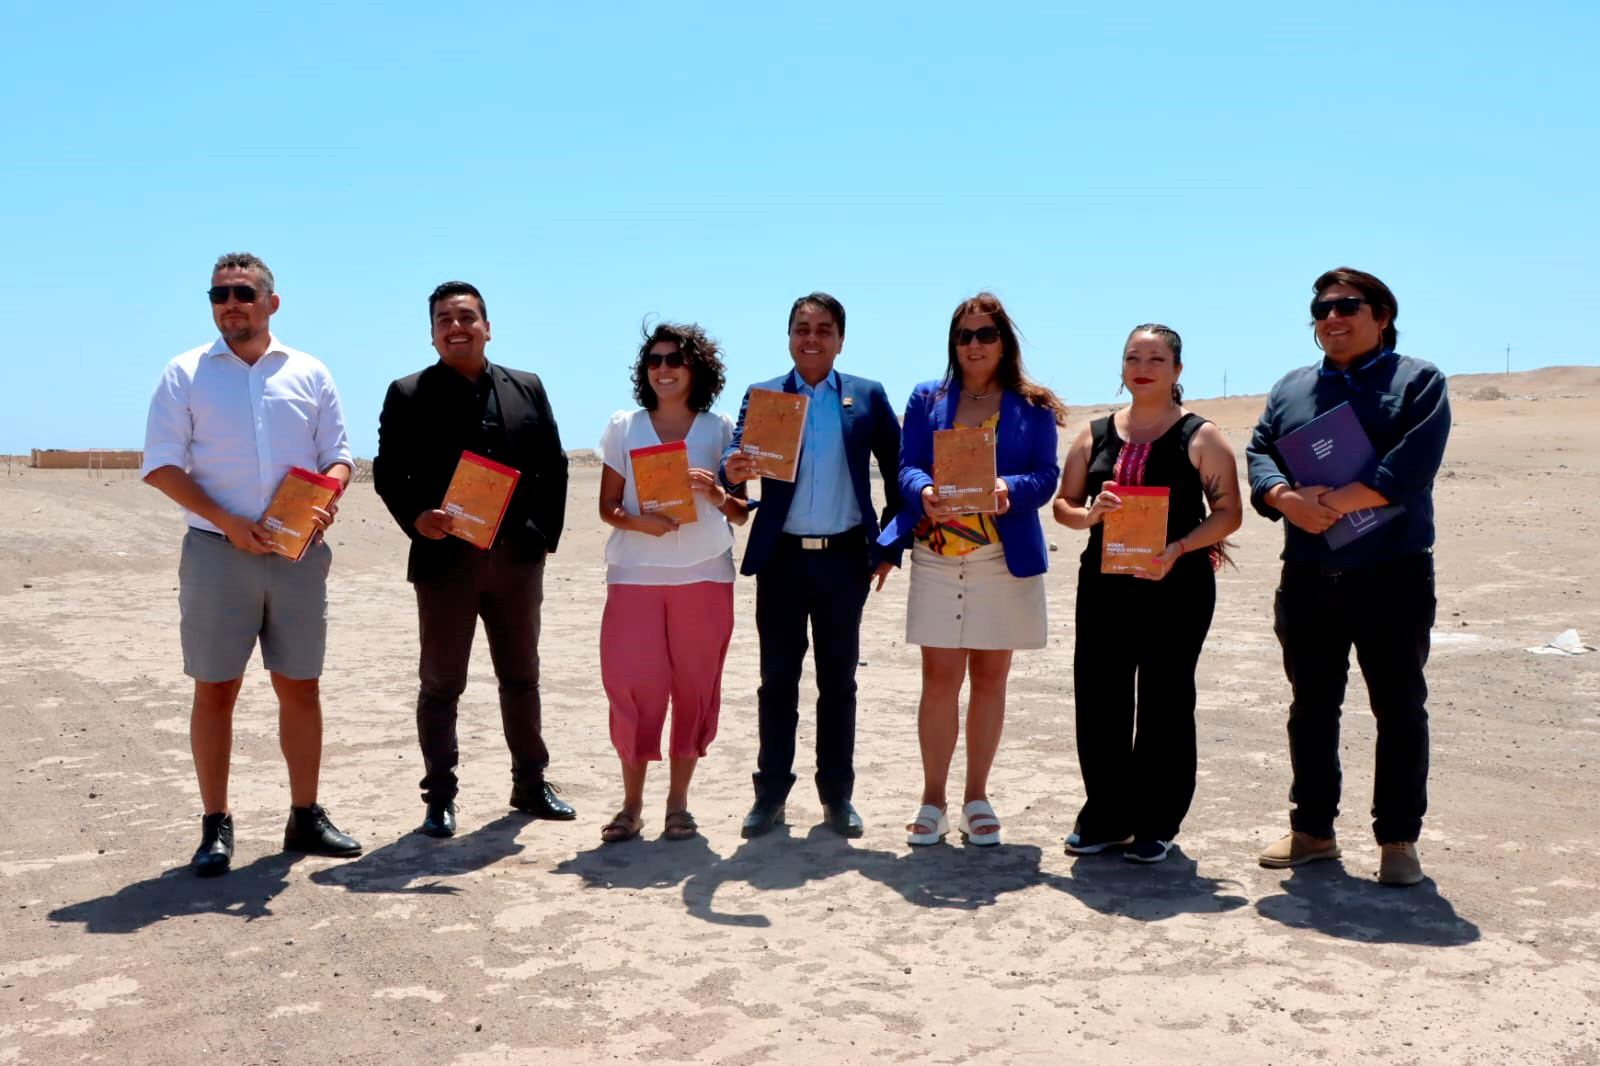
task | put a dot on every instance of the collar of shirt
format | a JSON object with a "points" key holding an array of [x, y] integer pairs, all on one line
{"points": [[829, 382], [220, 347], [1327, 370]]}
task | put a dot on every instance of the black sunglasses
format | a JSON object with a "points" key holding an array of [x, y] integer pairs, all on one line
{"points": [[1345, 305], [653, 360], [245, 294], [983, 335]]}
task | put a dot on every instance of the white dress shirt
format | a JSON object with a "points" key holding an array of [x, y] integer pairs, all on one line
{"points": [[238, 428]]}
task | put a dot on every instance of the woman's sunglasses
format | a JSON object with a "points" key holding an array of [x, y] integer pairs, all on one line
{"points": [[983, 335], [1345, 305], [653, 360]]}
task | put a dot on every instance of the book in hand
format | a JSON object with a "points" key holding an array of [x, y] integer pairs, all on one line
{"points": [[661, 481], [477, 497], [773, 423], [1332, 449], [288, 518], [1136, 532], [963, 469]]}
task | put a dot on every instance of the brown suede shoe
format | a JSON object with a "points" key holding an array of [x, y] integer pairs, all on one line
{"points": [[1400, 864], [1298, 848]]}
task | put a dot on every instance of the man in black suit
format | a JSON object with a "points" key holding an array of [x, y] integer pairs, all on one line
{"points": [[463, 402], [813, 548]]}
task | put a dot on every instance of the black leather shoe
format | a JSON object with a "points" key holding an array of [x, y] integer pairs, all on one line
{"points": [[763, 818], [541, 802], [310, 830], [440, 821], [215, 853], [843, 819]]}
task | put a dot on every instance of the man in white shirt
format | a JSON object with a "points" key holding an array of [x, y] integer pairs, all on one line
{"points": [[227, 421]]}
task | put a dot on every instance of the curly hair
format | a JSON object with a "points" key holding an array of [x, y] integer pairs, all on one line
{"points": [[701, 355], [1009, 374]]}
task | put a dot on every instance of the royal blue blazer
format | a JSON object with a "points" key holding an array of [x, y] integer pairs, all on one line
{"points": [[1025, 459], [870, 432]]}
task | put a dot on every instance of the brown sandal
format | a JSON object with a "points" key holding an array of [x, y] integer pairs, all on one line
{"points": [[680, 825], [623, 826]]}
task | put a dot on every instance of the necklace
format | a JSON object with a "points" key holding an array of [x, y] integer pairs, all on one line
{"points": [[979, 395]]}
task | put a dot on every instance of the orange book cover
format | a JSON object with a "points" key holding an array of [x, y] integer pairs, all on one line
{"points": [[963, 469], [288, 515], [773, 423], [477, 497], [1136, 532], [661, 480]]}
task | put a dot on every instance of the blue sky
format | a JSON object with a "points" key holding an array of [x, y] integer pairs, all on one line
{"points": [[585, 167]]}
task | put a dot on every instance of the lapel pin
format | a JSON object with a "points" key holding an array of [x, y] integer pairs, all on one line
{"points": [[848, 401]]}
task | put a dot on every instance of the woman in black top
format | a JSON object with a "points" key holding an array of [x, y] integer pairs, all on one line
{"points": [[1140, 634]]}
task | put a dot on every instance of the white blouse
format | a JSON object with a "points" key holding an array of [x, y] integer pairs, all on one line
{"points": [[699, 551]]}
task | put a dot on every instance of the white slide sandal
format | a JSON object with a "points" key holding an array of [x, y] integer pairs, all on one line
{"points": [[975, 817], [928, 814]]}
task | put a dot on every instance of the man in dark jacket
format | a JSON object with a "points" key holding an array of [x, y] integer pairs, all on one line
{"points": [[464, 403], [1373, 592]]}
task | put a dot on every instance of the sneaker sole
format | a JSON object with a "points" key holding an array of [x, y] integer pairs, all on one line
{"points": [[1095, 849], [1129, 857]]}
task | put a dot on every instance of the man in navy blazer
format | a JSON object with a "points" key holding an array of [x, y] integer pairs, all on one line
{"points": [[814, 553]]}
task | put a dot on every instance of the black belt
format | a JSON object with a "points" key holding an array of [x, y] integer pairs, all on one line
{"points": [[849, 538]]}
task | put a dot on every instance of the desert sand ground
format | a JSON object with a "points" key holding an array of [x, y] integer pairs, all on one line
{"points": [[526, 941]]}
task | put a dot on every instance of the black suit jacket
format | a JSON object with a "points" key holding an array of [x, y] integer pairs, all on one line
{"points": [[417, 454]]}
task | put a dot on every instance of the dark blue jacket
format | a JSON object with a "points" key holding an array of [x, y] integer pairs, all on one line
{"points": [[1403, 406], [1025, 458], [870, 429]]}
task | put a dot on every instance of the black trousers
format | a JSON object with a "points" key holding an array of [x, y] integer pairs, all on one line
{"points": [[506, 590], [826, 588], [1386, 613], [1133, 665]]}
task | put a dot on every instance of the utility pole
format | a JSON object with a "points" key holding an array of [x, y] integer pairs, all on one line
{"points": [[1508, 359], [1224, 384]]}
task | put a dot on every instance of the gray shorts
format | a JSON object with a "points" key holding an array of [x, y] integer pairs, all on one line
{"points": [[227, 598]]}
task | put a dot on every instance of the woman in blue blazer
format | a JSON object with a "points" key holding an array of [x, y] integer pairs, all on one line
{"points": [[977, 573]]}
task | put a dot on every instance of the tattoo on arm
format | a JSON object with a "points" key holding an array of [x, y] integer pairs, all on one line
{"points": [[1213, 486]]}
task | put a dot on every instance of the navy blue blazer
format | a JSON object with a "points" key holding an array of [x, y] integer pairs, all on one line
{"points": [[870, 429], [1025, 459]]}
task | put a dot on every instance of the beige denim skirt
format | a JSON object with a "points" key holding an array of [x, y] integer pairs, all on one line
{"points": [[973, 601]]}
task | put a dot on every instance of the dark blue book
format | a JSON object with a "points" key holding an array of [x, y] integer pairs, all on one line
{"points": [[1332, 449]]}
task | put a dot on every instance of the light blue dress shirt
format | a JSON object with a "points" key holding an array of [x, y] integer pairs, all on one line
{"points": [[824, 496]]}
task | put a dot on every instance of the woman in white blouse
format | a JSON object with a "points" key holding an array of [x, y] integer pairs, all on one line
{"points": [[669, 580]]}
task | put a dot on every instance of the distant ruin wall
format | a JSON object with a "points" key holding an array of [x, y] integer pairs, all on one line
{"points": [[101, 458]]}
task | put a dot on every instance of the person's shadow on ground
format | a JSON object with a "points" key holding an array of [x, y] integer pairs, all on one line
{"points": [[1324, 897], [394, 867], [1147, 892], [244, 892], [640, 863], [946, 876]]}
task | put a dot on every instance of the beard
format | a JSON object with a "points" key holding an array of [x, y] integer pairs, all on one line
{"points": [[241, 334]]}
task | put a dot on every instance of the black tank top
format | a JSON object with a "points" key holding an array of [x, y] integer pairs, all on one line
{"points": [[1166, 464]]}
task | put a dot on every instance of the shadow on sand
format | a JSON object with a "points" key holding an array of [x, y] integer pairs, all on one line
{"points": [[1324, 897], [1148, 893], [244, 892], [394, 867]]}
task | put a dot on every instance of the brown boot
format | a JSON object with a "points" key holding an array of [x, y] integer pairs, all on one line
{"points": [[1297, 848], [1400, 864]]}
